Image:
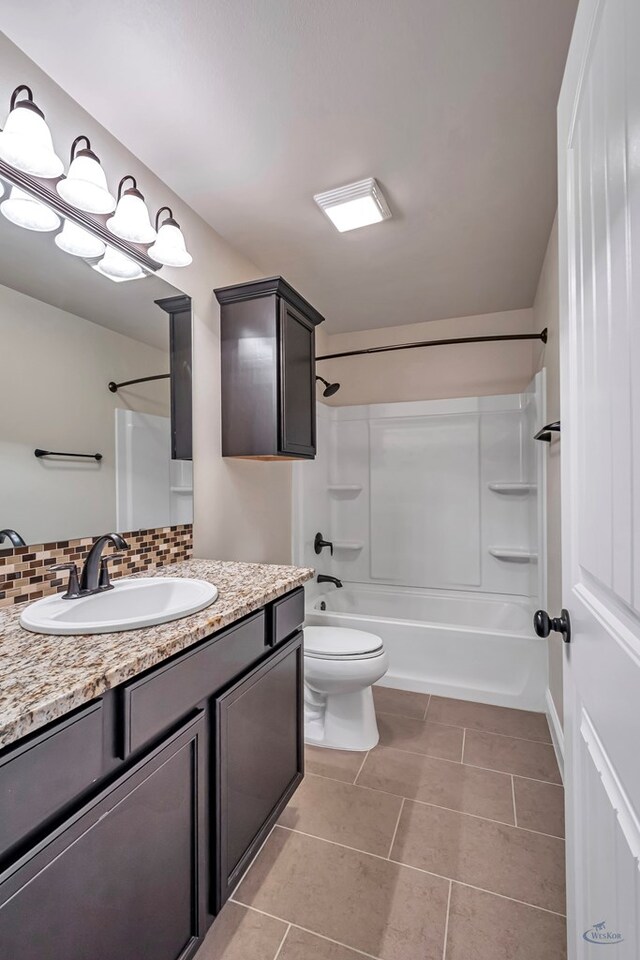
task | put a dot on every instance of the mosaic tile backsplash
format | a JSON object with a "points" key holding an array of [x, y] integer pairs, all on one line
{"points": [[25, 573]]}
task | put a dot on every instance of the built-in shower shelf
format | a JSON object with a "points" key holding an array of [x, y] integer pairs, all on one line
{"points": [[513, 488], [345, 489], [513, 556], [183, 490], [347, 545]]}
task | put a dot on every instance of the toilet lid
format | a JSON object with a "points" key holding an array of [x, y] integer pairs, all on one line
{"points": [[340, 642]]}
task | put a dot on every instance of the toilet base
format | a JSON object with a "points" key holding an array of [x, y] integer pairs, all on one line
{"points": [[345, 721]]}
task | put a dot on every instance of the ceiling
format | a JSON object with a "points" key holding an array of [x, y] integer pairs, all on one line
{"points": [[247, 108]]}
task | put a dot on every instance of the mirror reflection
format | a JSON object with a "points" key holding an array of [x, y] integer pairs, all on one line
{"points": [[77, 458]]}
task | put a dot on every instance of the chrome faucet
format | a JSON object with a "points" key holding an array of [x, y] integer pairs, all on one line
{"points": [[323, 578], [14, 538], [95, 572]]}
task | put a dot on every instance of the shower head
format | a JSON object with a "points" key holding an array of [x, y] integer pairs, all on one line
{"points": [[329, 388]]}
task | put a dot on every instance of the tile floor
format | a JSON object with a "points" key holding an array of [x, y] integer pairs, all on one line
{"points": [[445, 842]]}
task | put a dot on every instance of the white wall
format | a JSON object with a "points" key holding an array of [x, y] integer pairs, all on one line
{"points": [[53, 395], [546, 311], [242, 509], [432, 373], [403, 490]]}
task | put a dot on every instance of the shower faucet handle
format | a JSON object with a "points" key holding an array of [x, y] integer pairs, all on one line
{"points": [[319, 543]]}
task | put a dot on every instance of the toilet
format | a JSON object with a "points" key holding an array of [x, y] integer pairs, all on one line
{"points": [[340, 666]]}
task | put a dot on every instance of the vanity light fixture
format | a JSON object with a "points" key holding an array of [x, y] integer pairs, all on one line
{"points": [[355, 205], [169, 248], [131, 220], [26, 141], [118, 267], [25, 211], [79, 242], [85, 185]]}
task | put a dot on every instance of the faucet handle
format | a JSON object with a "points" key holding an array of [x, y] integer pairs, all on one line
{"points": [[73, 586], [104, 581]]}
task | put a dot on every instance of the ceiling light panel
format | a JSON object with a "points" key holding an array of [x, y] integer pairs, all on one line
{"points": [[355, 205]]}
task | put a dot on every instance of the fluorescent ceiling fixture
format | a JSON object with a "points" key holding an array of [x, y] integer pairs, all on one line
{"points": [[356, 205]]}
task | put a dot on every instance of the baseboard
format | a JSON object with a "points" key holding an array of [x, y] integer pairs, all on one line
{"points": [[557, 734]]}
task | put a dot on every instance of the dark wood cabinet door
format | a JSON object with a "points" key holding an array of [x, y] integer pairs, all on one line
{"points": [[297, 383], [180, 363], [260, 760], [124, 878]]}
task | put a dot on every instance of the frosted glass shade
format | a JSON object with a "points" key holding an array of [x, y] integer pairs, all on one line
{"points": [[79, 242], [170, 248], [1, 189], [26, 143], [131, 220], [118, 267], [29, 213], [85, 186]]}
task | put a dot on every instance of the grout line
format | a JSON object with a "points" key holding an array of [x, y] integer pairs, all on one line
{"points": [[513, 797], [360, 767], [282, 942], [393, 838], [446, 922], [477, 766], [314, 933], [464, 740], [426, 709], [410, 866], [460, 726]]}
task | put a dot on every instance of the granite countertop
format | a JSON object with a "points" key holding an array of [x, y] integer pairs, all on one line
{"points": [[43, 677]]}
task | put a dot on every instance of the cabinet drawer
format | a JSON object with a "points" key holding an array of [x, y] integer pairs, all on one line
{"points": [[153, 703], [287, 615], [40, 777]]}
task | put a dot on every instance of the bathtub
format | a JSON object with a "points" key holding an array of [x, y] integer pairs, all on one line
{"points": [[454, 645]]}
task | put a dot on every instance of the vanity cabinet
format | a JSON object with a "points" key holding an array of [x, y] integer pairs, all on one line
{"points": [[124, 877], [267, 371], [129, 821], [259, 765]]}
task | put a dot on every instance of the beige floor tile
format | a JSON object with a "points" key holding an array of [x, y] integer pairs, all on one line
{"points": [[455, 785], [241, 934], [491, 719], [485, 927], [336, 764], [430, 739], [300, 945], [524, 758], [403, 702], [355, 816], [516, 863], [365, 902], [539, 806]]}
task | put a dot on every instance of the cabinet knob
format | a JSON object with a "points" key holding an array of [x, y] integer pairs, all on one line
{"points": [[543, 624]]}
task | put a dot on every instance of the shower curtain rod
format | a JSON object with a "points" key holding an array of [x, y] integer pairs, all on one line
{"points": [[436, 343]]}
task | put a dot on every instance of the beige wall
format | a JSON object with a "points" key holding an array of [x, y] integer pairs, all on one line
{"points": [[242, 509], [469, 370], [70, 361], [546, 311]]}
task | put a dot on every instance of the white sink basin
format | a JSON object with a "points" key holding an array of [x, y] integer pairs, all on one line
{"points": [[132, 604]]}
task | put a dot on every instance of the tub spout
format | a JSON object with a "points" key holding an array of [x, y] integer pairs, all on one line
{"points": [[323, 578]]}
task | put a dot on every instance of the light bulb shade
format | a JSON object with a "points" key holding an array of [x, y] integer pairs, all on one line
{"points": [[79, 242], [26, 142], [170, 248], [29, 213], [1, 189], [131, 220], [85, 185], [117, 266]]}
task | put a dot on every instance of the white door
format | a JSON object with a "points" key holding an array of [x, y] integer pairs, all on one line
{"points": [[599, 218]]}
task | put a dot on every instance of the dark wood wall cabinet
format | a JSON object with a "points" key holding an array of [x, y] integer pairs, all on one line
{"points": [[180, 363], [268, 371], [125, 826]]}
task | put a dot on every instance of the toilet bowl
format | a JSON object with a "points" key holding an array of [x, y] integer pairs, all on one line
{"points": [[340, 666]]}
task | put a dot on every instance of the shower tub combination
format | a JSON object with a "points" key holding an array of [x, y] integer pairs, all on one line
{"points": [[453, 645]]}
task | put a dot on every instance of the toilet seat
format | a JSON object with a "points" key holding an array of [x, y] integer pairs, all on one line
{"points": [[340, 643]]}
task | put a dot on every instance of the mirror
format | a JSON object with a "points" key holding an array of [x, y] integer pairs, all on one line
{"points": [[107, 460]]}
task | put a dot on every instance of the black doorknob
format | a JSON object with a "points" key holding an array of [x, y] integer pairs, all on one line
{"points": [[543, 624]]}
